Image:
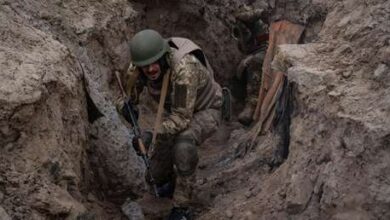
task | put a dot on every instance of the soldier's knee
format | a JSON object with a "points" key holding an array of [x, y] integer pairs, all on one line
{"points": [[185, 156]]}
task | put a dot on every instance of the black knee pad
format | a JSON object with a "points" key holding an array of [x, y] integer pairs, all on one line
{"points": [[185, 156]]}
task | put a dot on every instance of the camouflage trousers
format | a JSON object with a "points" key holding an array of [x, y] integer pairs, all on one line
{"points": [[250, 71], [176, 158]]}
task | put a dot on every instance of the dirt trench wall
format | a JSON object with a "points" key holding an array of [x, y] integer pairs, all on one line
{"points": [[43, 129], [48, 51], [344, 102]]}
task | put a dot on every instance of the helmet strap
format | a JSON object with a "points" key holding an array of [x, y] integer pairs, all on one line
{"points": [[164, 65]]}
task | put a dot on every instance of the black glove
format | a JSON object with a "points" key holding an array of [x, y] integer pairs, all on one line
{"points": [[146, 138], [127, 107]]}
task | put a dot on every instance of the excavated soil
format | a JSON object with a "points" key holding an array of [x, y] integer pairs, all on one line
{"points": [[66, 154]]}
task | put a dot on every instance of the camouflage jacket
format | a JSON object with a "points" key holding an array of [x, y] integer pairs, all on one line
{"points": [[192, 88], [248, 28]]}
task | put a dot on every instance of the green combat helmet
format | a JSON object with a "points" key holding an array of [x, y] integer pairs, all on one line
{"points": [[146, 47]]}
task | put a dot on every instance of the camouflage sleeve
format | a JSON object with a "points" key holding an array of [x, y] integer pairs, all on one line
{"points": [[188, 76], [249, 15], [132, 86]]}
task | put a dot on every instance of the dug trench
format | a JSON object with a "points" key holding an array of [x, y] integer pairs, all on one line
{"points": [[66, 153]]}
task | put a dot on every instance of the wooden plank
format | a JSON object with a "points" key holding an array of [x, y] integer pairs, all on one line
{"points": [[281, 32]]}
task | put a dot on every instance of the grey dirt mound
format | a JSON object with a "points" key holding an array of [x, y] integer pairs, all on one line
{"points": [[66, 154]]}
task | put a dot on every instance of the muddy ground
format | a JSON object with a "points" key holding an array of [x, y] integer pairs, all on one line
{"points": [[66, 154]]}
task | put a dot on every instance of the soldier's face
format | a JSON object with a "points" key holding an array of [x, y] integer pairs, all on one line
{"points": [[152, 71]]}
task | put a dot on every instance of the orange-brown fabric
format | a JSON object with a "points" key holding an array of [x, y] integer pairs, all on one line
{"points": [[281, 32]]}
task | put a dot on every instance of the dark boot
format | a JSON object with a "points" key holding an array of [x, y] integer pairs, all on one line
{"points": [[166, 190], [246, 116], [180, 214]]}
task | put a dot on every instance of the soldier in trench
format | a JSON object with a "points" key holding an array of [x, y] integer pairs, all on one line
{"points": [[251, 32], [252, 40], [192, 108]]}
